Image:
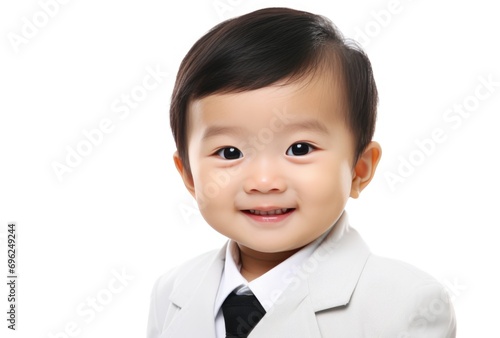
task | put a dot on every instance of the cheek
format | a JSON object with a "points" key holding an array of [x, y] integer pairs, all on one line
{"points": [[345, 177], [204, 189], [215, 201], [213, 189], [330, 184]]}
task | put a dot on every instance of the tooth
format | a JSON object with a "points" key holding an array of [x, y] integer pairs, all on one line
{"points": [[270, 212]]}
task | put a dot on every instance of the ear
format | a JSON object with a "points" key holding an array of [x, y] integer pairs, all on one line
{"points": [[186, 176], [365, 168]]}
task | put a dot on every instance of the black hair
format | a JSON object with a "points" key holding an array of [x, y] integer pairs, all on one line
{"points": [[261, 48]]}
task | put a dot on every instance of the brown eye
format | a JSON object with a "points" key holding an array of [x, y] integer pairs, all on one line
{"points": [[230, 153], [299, 149]]}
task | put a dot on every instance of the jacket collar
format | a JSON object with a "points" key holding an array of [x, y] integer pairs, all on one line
{"points": [[340, 260], [326, 280], [195, 297]]}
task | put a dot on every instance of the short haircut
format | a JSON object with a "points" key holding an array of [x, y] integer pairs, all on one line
{"points": [[266, 46]]}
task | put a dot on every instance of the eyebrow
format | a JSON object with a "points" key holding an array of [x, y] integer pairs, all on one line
{"points": [[221, 130], [311, 125]]}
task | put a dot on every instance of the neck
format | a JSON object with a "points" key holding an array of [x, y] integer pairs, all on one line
{"points": [[254, 263]]}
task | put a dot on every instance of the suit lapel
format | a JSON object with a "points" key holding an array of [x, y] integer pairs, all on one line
{"points": [[291, 316], [341, 259], [325, 281], [195, 297]]}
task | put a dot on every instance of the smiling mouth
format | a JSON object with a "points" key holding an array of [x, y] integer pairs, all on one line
{"points": [[280, 211]]}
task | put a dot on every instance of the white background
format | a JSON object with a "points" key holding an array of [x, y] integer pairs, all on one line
{"points": [[124, 208]]}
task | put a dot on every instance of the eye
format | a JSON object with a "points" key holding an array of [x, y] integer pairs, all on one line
{"points": [[230, 153], [299, 149]]}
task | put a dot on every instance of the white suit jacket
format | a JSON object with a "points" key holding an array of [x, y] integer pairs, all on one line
{"points": [[342, 291]]}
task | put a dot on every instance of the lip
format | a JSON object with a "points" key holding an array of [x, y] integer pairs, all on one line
{"points": [[276, 218], [267, 208]]}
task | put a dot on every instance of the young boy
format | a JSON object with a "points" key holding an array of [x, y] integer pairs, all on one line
{"points": [[273, 115]]}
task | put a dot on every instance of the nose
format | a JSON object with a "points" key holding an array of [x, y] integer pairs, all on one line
{"points": [[264, 176]]}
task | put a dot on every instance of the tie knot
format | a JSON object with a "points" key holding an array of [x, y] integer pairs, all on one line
{"points": [[241, 314]]}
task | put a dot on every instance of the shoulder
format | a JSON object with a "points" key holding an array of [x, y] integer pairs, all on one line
{"points": [[391, 271], [408, 301], [181, 274], [180, 281]]}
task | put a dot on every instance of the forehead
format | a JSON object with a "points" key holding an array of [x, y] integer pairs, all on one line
{"points": [[314, 99]]}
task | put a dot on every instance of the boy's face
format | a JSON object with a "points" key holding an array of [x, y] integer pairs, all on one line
{"points": [[271, 168]]}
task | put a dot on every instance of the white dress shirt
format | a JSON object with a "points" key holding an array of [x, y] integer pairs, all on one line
{"points": [[267, 288]]}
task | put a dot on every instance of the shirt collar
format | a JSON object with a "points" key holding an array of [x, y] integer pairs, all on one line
{"points": [[268, 287]]}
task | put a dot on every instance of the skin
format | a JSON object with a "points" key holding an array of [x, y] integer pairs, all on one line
{"points": [[290, 149]]}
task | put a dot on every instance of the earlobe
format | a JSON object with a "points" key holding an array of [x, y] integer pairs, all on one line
{"points": [[187, 178], [364, 170]]}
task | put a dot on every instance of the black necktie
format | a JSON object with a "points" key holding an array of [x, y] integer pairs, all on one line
{"points": [[241, 314]]}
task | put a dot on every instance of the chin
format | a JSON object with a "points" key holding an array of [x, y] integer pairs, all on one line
{"points": [[271, 247]]}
